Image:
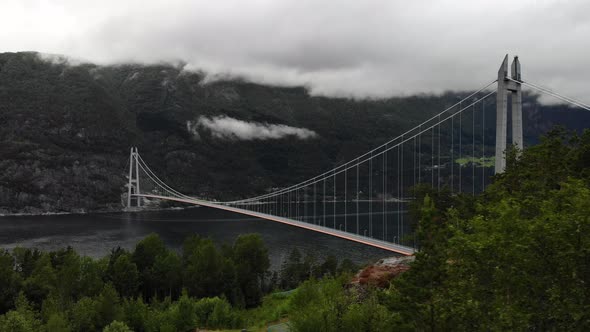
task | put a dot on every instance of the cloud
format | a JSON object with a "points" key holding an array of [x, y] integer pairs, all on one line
{"points": [[59, 59], [192, 129], [370, 48], [224, 127]]}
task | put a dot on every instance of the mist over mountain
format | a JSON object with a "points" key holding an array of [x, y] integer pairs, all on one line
{"points": [[66, 130]]}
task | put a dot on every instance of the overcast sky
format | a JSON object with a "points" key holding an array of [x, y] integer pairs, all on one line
{"points": [[353, 48]]}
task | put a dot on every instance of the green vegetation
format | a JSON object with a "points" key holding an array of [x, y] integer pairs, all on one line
{"points": [[516, 258], [328, 305], [275, 307], [152, 288], [149, 289], [296, 269], [479, 162]]}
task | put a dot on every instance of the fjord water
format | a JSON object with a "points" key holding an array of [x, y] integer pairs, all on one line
{"points": [[96, 234]]}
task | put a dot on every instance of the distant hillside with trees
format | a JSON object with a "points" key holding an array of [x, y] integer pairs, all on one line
{"points": [[66, 130]]}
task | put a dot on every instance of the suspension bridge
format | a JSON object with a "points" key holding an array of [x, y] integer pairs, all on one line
{"points": [[365, 199]]}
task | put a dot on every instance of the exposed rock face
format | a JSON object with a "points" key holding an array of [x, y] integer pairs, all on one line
{"points": [[382, 272]]}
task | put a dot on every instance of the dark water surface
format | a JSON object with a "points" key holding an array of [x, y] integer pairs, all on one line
{"points": [[96, 234]]}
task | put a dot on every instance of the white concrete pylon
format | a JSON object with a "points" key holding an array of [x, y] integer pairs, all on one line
{"points": [[130, 184], [133, 185], [515, 89], [506, 85], [137, 191]]}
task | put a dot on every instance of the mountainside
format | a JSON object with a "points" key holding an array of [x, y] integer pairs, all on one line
{"points": [[66, 130]]}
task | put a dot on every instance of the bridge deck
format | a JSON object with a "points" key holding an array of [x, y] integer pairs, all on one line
{"points": [[404, 250]]}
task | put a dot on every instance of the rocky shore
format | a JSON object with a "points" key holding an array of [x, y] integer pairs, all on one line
{"points": [[382, 272]]}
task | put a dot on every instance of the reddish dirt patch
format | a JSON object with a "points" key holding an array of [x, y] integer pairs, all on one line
{"points": [[381, 273]]}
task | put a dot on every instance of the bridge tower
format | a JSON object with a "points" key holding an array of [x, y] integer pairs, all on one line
{"points": [[133, 186], [508, 85]]}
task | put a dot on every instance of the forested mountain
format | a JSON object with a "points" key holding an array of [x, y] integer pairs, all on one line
{"points": [[66, 130]]}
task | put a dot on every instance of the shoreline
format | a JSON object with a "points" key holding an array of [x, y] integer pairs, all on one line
{"points": [[123, 210]]}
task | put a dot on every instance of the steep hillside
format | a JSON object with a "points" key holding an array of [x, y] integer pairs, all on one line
{"points": [[65, 131]]}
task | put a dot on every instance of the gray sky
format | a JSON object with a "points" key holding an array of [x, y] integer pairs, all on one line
{"points": [[360, 48]]}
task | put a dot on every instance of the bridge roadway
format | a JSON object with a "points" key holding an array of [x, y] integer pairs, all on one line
{"points": [[404, 250]]}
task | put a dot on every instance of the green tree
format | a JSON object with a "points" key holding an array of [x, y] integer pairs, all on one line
{"points": [[222, 315], [368, 315], [347, 266], [57, 323], [214, 312], [414, 293], [523, 270], [310, 266], [14, 321], [292, 270], [230, 282], [167, 273], [125, 276], [84, 316], [319, 306], [203, 267], [41, 281], [25, 259], [514, 258], [330, 265], [107, 306], [136, 313], [112, 258], [22, 319], [52, 305], [117, 326], [186, 316], [252, 263], [147, 250], [10, 281], [68, 272], [144, 256], [92, 274]]}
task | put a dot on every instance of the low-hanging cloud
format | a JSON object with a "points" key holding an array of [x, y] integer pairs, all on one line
{"points": [[224, 127]]}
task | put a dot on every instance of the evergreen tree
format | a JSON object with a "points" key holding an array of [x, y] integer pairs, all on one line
{"points": [[252, 263], [117, 326], [203, 267], [144, 256], [125, 276], [57, 323], [10, 281]]}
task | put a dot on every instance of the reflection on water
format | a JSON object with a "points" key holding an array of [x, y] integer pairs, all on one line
{"points": [[96, 234]]}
